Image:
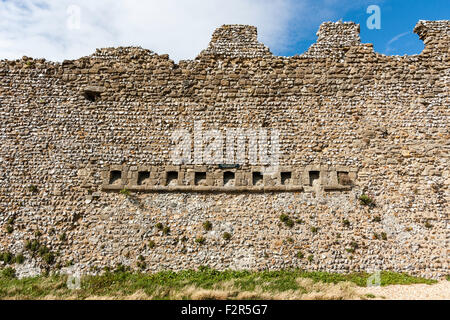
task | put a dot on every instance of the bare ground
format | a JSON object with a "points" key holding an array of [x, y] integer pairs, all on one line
{"points": [[310, 291], [438, 291], [307, 290]]}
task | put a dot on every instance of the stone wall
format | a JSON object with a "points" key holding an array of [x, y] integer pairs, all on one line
{"points": [[87, 180]]}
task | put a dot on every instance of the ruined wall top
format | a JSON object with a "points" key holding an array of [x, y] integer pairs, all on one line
{"points": [[241, 41], [433, 29], [333, 38], [236, 41]]}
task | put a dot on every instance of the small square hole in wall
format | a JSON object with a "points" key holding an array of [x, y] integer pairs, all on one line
{"points": [[172, 178], [91, 95], [343, 178], [257, 179], [228, 178], [313, 176], [115, 177], [200, 179], [286, 178], [143, 178]]}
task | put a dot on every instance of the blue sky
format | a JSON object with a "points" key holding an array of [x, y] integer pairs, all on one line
{"points": [[398, 18], [68, 29]]}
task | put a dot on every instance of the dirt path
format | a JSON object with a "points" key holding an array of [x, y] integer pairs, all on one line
{"points": [[439, 291]]}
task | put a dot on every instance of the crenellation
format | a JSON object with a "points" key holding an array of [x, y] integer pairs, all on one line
{"points": [[235, 41], [334, 39]]}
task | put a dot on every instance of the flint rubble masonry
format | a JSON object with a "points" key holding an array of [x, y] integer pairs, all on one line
{"points": [[351, 122]]}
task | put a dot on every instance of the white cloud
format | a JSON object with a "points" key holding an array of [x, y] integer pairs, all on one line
{"points": [[181, 28], [404, 42], [398, 37], [48, 28]]}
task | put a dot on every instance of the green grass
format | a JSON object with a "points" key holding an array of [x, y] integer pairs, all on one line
{"points": [[161, 285], [364, 199]]}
